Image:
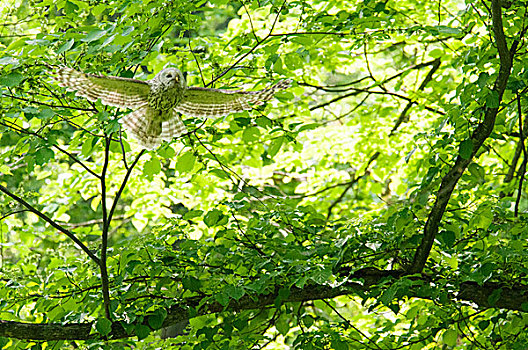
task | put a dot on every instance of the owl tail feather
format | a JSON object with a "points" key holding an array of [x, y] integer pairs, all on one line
{"points": [[150, 126]]}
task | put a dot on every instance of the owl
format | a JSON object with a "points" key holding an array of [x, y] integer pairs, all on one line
{"points": [[156, 104]]}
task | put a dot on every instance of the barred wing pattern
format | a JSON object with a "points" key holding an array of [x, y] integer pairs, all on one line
{"points": [[203, 102], [150, 126], [113, 91]]}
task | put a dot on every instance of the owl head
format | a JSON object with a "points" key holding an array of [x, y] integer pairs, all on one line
{"points": [[170, 77]]}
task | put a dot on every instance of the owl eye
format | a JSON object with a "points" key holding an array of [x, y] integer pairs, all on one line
{"points": [[168, 75]]}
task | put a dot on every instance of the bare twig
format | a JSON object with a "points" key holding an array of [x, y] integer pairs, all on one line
{"points": [[350, 324], [122, 187], [522, 169], [104, 233], [52, 223], [258, 43]]}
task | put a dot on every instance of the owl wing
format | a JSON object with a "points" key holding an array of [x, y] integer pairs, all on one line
{"points": [[112, 91], [204, 102]]}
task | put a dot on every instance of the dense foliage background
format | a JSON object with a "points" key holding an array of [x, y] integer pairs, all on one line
{"points": [[379, 203]]}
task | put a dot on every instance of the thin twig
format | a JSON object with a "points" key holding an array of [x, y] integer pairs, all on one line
{"points": [[50, 105], [350, 324], [72, 157], [122, 187], [104, 233], [122, 146], [522, 168], [258, 43], [13, 213], [52, 223], [197, 62]]}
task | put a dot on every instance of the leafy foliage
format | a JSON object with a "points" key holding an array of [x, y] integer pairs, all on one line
{"points": [[378, 203]]}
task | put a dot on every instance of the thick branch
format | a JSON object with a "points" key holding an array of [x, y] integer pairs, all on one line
{"points": [[485, 296], [481, 133]]}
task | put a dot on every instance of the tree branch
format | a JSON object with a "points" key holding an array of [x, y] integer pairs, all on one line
{"points": [[403, 116], [104, 233], [522, 169], [52, 223], [511, 297], [258, 43], [122, 187], [27, 132], [481, 133]]}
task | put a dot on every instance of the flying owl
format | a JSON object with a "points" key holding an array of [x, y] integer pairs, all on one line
{"points": [[156, 103]]}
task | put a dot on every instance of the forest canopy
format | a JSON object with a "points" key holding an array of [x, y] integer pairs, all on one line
{"points": [[378, 203]]}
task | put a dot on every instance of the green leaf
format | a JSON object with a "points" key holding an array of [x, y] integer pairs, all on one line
{"points": [[219, 173], [98, 9], [214, 218], [151, 167], [142, 331], [234, 292], [5, 169], [388, 295], [322, 276], [524, 306], [240, 323], [70, 7], [482, 80], [448, 238], [192, 214], [251, 134], [308, 320], [450, 337], [209, 333], [46, 113], [166, 152], [310, 126], [43, 155], [482, 218], [483, 324], [103, 326], [283, 294], [466, 149], [12, 79], [477, 171], [448, 30], [495, 296], [222, 298], [338, 344], [283, 325], [436, 53], [155, 321], [191, 283], [88, 146], [492, 99], [66, 46], [94, 35], [185, 162], [275, 146]]}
